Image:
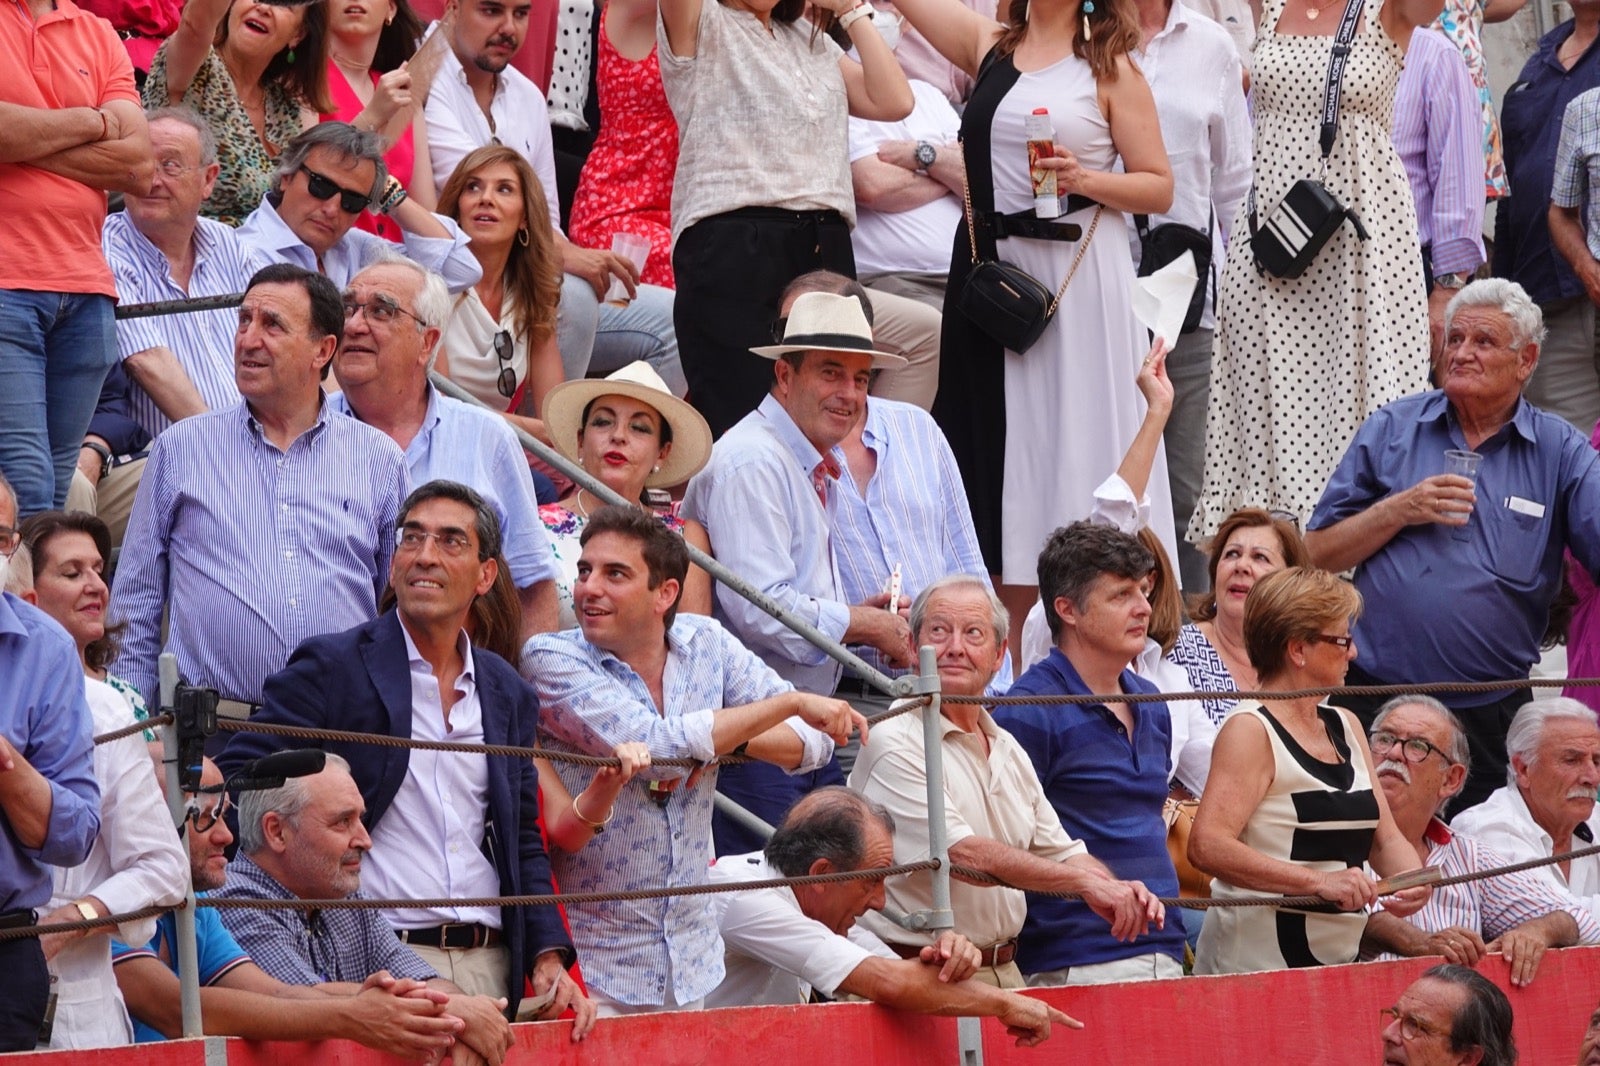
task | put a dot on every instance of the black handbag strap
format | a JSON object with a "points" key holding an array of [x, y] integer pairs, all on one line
{"points": [[1335, 84]]}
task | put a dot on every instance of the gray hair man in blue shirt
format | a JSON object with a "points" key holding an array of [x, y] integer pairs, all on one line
{"points": [[1458, 572]]}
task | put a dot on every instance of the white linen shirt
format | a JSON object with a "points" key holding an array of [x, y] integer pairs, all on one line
{"points": [[774, 954], [136, 862], [457, 125], [996, 796], [449, 257], [1504, 823], [1193, 69], [427, 845], [917, 240]]}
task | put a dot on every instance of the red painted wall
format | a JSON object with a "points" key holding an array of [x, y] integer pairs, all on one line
{"points": [[1299, 1017]]}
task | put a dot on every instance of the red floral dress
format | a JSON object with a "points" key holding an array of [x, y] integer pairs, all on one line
{"points": [[626, 185]]}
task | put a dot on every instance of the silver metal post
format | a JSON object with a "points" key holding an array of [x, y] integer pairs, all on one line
{"points": [[748, 819], [940, 917], [879, 680], [188, 960]]}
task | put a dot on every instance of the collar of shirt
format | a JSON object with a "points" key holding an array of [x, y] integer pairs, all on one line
{"points": [[267, 230], [1066, 679], [10, 624], [1178, 17], [784, 428], [418, 448], [253, 427], [986, 726], [1438, 834], [466, 681], [1436, 406]]}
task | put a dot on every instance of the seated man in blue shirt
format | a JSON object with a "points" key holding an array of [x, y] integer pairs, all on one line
{"points": [[1103, 766], [237, 998], [1458, 583]]}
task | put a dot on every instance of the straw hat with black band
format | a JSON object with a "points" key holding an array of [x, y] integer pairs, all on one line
{"points": [[691, 436], [825, 322]]}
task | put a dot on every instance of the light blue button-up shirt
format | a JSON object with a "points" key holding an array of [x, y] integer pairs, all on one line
{"points": [[45, 716], [448, 257], [253, 549], [1442, 607], [764, 518], [589, 702], [479, 449]]}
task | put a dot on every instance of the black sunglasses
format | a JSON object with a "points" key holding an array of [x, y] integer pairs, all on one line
{"points": [[507, 381], [322, 188]]}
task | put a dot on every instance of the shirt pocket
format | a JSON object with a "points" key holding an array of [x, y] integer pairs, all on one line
{"points": [[1516, 542]]}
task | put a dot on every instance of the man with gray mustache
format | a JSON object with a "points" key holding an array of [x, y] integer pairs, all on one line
{"points": [[1421, 761]]}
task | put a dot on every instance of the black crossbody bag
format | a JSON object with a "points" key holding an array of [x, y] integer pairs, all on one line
{"points": [[1307, 217], [1165, 244]]}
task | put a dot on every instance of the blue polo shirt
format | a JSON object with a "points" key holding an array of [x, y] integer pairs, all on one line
{"points": [[1530, 124], [215, 949], [1108, 789], [1442, 607]]}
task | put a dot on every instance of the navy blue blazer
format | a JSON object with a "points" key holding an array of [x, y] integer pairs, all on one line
{"points": [[360, 681]]}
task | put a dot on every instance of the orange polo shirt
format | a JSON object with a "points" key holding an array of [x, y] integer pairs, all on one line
{"points": [[50, 225]]}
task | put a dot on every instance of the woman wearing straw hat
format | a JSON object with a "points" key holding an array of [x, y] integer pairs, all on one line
{"points": [[629, 431]]}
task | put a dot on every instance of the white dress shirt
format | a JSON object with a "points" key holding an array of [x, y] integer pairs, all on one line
{"points": [[1504, 823], [428, 843], [136, 862], [775, 955]]}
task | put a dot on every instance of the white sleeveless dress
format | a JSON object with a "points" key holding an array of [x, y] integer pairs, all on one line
{"points": [[1315, 814]]}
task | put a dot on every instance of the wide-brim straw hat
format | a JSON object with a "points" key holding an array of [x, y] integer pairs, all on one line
{"points": [[691, 436], [824, 322]]}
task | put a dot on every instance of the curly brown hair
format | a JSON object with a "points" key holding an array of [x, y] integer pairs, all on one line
{"points": [[533, 272], [1114, 32]]}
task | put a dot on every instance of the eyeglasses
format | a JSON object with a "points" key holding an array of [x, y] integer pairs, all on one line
{"points": [[203, 818], [452, 542], [380, 309], [173, 169], [504, 350], [1416, 749], [1411, 1027], [1338, 642], [323, 188], [9, 539], [1286, 516]]}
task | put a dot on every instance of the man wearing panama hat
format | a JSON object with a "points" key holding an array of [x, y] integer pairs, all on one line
{"points": [[765, 500]]}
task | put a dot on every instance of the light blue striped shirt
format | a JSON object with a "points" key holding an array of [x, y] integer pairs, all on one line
{"points": [[254, 549], [460, 442], [448, 257], [590, 701], [202, 341], [764, 519], [915, 513]]}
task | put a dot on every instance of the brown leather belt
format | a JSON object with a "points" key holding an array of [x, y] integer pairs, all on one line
{"points": [[454, 936], [991, 956]]}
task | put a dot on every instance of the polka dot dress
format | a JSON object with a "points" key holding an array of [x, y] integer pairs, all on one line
{"points": [[1301, 363]]}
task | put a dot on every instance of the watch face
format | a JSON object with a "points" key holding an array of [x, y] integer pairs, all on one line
{"points": [[925, 154]]}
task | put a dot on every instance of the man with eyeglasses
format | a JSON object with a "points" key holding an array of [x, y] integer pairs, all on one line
{"points": [[237, 997], [1420, 756], [394, 313], [265, 523], [49, 799], [443, 824], [326, 177], [1450, 1016]]}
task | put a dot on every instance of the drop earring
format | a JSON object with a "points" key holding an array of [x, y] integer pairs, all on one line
{"points": [[289, 59], [1088, 9]]}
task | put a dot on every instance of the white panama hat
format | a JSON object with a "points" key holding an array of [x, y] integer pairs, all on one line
{"points": [[691, 436], [824, 322]]}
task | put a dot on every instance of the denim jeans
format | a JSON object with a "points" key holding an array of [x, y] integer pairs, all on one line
{"points": [[596, 338], [55, 349]]}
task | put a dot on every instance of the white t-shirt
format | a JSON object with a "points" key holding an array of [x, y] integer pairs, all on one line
{"points": [[917, 240], [775, 955]]}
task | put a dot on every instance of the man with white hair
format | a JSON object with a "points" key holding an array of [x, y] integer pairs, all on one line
{"points": [[1457, 585], [1421, 757], [1547, 805], [394, 313]]}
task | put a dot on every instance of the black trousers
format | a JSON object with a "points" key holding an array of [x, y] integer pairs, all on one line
{"points": [[27, 985], [731, 270], [1485, 726]]}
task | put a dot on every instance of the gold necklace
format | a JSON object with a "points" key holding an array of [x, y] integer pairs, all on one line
{"points": [[1313, 11]]}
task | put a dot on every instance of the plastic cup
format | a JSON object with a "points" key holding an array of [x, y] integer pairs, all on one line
{"points": [[1462, 464], [636, 250]]}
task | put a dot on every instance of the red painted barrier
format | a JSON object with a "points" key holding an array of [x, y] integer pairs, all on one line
{"points": [[1324, 1016]]}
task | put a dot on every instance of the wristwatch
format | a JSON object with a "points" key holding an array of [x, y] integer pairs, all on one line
{"points": [[1457, 280], [925, 155], [861, 11]]}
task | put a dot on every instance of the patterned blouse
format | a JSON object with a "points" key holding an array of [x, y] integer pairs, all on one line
{"points": [[135, 701], [1207, 672], [1462, 22], [565, 527], [246, 165]]}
